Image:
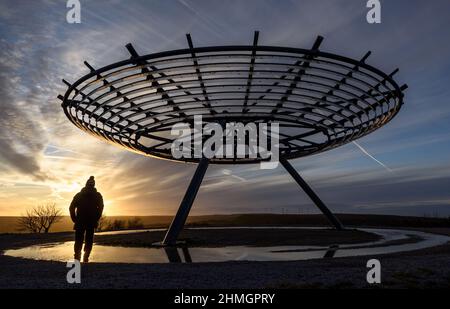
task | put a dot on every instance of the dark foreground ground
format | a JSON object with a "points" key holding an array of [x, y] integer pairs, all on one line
{"points": [[428, 268]]}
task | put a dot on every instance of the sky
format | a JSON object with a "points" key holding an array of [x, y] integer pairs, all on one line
{"points": [[402, 168]]}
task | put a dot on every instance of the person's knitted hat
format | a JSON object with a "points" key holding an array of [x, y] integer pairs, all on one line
{"points": [[90, 182]]}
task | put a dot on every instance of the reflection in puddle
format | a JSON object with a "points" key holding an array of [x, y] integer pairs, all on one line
{"points": [[109, 254]]}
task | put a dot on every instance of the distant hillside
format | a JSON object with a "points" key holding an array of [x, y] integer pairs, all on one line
{"points": [[317, 220], [9, 224]]}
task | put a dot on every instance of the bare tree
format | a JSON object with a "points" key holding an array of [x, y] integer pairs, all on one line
{"points": [[116, 225], [135, 223], [103, 224], [29, 223], [40, 218]]}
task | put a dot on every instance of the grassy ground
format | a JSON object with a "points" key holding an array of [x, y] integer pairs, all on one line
{"points": [[248, 237]]}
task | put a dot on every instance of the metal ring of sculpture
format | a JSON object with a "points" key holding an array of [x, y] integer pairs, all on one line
{"points": [[320, 100]]}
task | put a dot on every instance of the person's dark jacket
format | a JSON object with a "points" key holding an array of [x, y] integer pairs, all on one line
{"points": [[86, 208]]}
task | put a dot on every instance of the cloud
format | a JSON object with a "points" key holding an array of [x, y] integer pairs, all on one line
{"points": [[43, 156], [21, 137]]}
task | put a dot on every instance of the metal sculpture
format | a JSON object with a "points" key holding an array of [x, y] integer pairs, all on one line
{"points": [[320, 101]]}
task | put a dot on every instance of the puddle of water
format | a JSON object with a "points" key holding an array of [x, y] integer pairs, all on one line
{"points": [[109, 254]]}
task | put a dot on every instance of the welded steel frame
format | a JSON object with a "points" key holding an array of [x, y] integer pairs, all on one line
{"points": [[320, 101]]}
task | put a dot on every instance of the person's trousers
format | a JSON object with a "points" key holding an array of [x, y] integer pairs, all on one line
{"points": [[86, 236]]}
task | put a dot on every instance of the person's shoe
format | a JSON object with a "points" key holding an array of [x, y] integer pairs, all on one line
{"points": [[77, 256], [86, 258]]}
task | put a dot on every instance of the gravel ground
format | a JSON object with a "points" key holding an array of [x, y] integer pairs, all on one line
{"points": [[428, 268]]}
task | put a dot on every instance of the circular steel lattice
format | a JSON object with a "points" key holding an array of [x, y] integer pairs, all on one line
{"points": [[320, 100]]}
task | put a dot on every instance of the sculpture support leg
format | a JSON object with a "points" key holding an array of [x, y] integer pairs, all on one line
{"points": [[183, 211], [332, 218]]}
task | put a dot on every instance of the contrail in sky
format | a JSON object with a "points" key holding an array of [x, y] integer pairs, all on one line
{"points": [[61, 149], [230, 173], [210, 23], [372, 157]]}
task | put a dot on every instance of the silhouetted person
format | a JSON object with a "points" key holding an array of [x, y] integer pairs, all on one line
{"points": [[85, 210]]}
